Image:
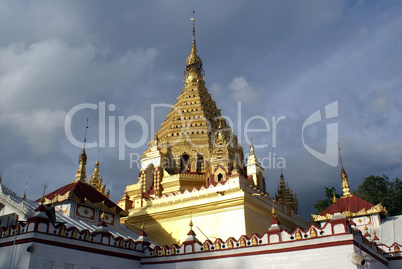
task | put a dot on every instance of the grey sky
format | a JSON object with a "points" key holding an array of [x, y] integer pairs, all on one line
{"points": [[278, 58]]}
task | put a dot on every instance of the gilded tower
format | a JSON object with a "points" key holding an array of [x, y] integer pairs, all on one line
{"points": [[195, 166]]}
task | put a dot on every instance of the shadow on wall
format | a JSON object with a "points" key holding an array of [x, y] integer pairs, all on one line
{"points": [[154, 231]]}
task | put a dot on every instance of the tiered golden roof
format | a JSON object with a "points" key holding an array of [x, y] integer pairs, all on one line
{"points": [[194, 131], [285, 195]]}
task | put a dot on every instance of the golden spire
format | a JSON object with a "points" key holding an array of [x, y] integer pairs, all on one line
{"points": [[25, 192], [194, 71], [273, 210], [81, 172], [344, 178]]}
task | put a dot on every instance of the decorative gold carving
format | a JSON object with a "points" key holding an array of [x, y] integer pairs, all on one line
{"points": [[230, 244], [206, 246], [396, 248], [86, 236], [254, 241], [217, 246], [242, 242], [173, 251], [313, 233], [74, 235], [298, 235], [62, 231], [347, 214]]}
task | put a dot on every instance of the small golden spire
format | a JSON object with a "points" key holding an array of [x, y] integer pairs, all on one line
{"points": [[374, 233], [142, 226], [43, 199], [365, 228], [251, 146], [81, 172], [96, 180], [334, 200], [25, 192], [273, 210]]}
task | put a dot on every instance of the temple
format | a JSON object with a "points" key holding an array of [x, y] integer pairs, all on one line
{"points": [[197, 204]]}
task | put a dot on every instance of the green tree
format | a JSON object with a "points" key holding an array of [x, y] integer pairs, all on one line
{"points": [[377, 189], [321, 205]]}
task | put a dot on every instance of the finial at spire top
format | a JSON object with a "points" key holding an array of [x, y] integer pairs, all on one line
{"points": [[193, 19], [194, 72], [86, 129], [81, 172]]}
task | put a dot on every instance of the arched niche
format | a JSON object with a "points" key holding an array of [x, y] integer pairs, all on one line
{"points": [[200, 164], [149, 177], [184, 163]]}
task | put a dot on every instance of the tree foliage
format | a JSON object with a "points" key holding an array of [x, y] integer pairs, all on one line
{"points": [[321, 205], [375, 190]]}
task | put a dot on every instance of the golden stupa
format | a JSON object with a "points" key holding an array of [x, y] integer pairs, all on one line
{"points": [[194, 168]]}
